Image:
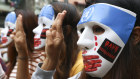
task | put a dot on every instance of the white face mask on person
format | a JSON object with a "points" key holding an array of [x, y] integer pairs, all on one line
{"points": [[9, 27], [46, 18], [102, 37]]}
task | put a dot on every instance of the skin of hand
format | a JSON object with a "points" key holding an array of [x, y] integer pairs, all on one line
{"points": [[54, 42], [19, 38]]}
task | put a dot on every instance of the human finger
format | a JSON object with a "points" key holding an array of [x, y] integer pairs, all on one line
{"points": [[49, 37], [19, 25], [54, 33], [58, 21], [12, 36]]}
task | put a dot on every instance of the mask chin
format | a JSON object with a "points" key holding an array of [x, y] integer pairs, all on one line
{"points": [[9, 40], [38, 47]]}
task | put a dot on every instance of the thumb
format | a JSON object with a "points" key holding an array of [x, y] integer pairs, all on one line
{"points": [[49, 37], [12, 36]]}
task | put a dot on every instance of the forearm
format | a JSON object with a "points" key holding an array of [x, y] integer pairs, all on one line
{"points": [[42, 74], [23, 70], [48, 65]]}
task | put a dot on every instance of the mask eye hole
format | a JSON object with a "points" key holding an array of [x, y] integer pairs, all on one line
{"points": [[44, 25], [8, 27], [82, 29], [98, 30]]}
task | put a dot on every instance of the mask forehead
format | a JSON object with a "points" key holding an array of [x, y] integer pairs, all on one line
{"points": [[10, 25], [111, 16], [48, 12], [46, 18], [10, 21], [46, 21], [11, 17]]}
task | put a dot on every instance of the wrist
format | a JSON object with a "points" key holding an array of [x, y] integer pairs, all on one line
{"points": [[22, 58], [23, 54], [49, 65]]}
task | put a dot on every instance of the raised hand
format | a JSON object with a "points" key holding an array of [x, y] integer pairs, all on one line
{"points": [[55, 37], [19, 38], [54, 42]]}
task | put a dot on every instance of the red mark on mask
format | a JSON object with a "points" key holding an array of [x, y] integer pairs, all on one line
{"points": [[94, 49], [84, 52], [37, 42], [91, 63], [111, 46], [95, 38], [4, 40], [96, 44]]}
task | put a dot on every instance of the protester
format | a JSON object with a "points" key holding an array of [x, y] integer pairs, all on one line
{"points": [[110, 37], [66, 63], [29, 23], [69, 59], [109, 51]]}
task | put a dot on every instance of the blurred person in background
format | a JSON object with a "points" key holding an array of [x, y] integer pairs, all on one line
{"points": [[79, 4], [29, 23]]}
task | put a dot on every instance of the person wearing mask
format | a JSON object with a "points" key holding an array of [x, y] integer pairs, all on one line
{"points": [[69, 60], [30, 22], [110, 39]]}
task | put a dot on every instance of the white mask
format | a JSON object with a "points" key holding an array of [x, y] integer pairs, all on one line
{"points": [[46, 18], [8, 28], [100, 51]]}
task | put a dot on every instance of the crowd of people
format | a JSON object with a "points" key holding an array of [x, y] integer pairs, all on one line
{"points": [[61, 43]]}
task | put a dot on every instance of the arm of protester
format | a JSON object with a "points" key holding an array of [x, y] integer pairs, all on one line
{"points": [[54, 42], [42, 74], [19, 38]]}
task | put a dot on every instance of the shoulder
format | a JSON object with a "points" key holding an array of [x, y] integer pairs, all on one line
{"points": [[78, 66], [77, 76]]}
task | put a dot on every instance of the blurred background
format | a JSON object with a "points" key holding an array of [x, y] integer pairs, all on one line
{"points": [[7, 6]]}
